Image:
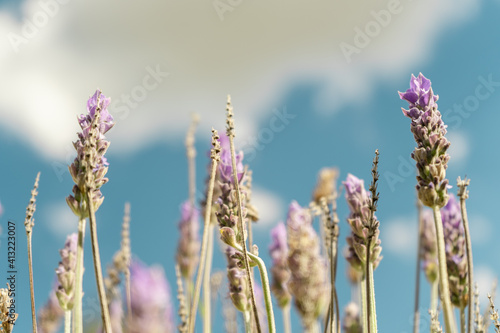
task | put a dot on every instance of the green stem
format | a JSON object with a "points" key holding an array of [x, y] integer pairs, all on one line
{"points": [[364, 316], [287, 324], [77, 308], [32, 287], [434, 295], [368, 281], [106, 322], [373, 310], [204, 245], [266, 290], [67, 321], [468, 245], [207, 301], [462, 320], [416, 312], [248, 323], [443, 273]]}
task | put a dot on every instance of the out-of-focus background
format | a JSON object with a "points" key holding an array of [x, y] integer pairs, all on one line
{"points": [[313, 84]]}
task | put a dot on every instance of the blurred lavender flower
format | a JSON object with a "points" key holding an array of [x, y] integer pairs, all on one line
{"points": [[428, 130], [456, 257], [238, 286], [50, 315], [351, 322], [308, 283], [189, 243], [278, 251], [358, 200], [151, 300], [225, 165], [91, 147], [66, 273], [428, 249]]}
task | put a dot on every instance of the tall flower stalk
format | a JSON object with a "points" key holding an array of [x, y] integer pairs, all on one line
{"points": [[430, 154], [88, 171], [66, 279], [206, 235], [29, 223], [463, 194]]}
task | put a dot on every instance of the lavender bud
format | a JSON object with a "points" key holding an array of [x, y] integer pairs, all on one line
{"points": [[428, 130], [50, 315], [456, 258], [351, 322], [428, 249], [278, 251], [66, 273], [237, 278], [189, 243]]}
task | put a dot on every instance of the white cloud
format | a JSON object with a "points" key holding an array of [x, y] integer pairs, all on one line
{"points": [[481, 230], [459, 148], [253, 54], [399, 236], [485, 279], [60, 220], [270, 206]]}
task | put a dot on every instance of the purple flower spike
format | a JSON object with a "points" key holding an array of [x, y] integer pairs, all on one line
{"points": [[50, 315], [429, 132], [66, 273], [280, 271], [189, 242], [225, 165], [151, 300], [428, 249], [456, 255]]}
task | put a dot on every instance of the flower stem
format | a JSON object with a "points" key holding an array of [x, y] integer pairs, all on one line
{"points": [[97, 266], [286, 319], [207, 301], [434, 295], [443, 273], [416, 312], [364, 316], [67, 321], [77, 308], [32, 288], [462, 320], [248, 324], [204, 246]]}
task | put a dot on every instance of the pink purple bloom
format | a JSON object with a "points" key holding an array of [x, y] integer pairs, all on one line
{"points": [[428, 248], [225, 164], [456, 258], [429, 132], [239, 290], [189, 242], [66, 273], [358, 200], [50, 315], [90, 147], [280, 272], [151, 303]]}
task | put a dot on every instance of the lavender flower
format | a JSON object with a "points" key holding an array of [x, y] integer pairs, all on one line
{"points": [[238, 286], [66, 273], [358, 200], [189, 244], [308, 283], [278, 251], [428, 249], [151, 300], [90, 160], [428, 130], [50, 315], [456, 257], [225, 165], [351, 322], [7, 318]]}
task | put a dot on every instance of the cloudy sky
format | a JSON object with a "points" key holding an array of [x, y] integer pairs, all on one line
{"points": [[313, 84]]}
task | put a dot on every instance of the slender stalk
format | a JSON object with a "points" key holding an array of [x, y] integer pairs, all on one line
{"points": [[77, 308], [207, 301], [463, 193], [287, 324], [206, 230], [434, 295], [97, 266], [127, 292], [416, 317], [191, 155], [443, 273], [248, 323], [32, 288], [67, 321], [462, 319], [368, 279], [240, 217], [371, 296], [267, 291], [364, 308]]}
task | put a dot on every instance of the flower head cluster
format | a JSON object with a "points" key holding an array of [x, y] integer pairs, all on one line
{"points": [[428, 249], [358, 200], [351, 322], [239, 291], [278, 251], [429, 130], [189, 243], [7, 318], [90, 165], [66, 273], [50, 315], [308, 282], [151, 307], [456, 257]]}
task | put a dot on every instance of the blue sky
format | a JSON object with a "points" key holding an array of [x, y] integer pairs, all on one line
{"points": [[272, 58]]}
